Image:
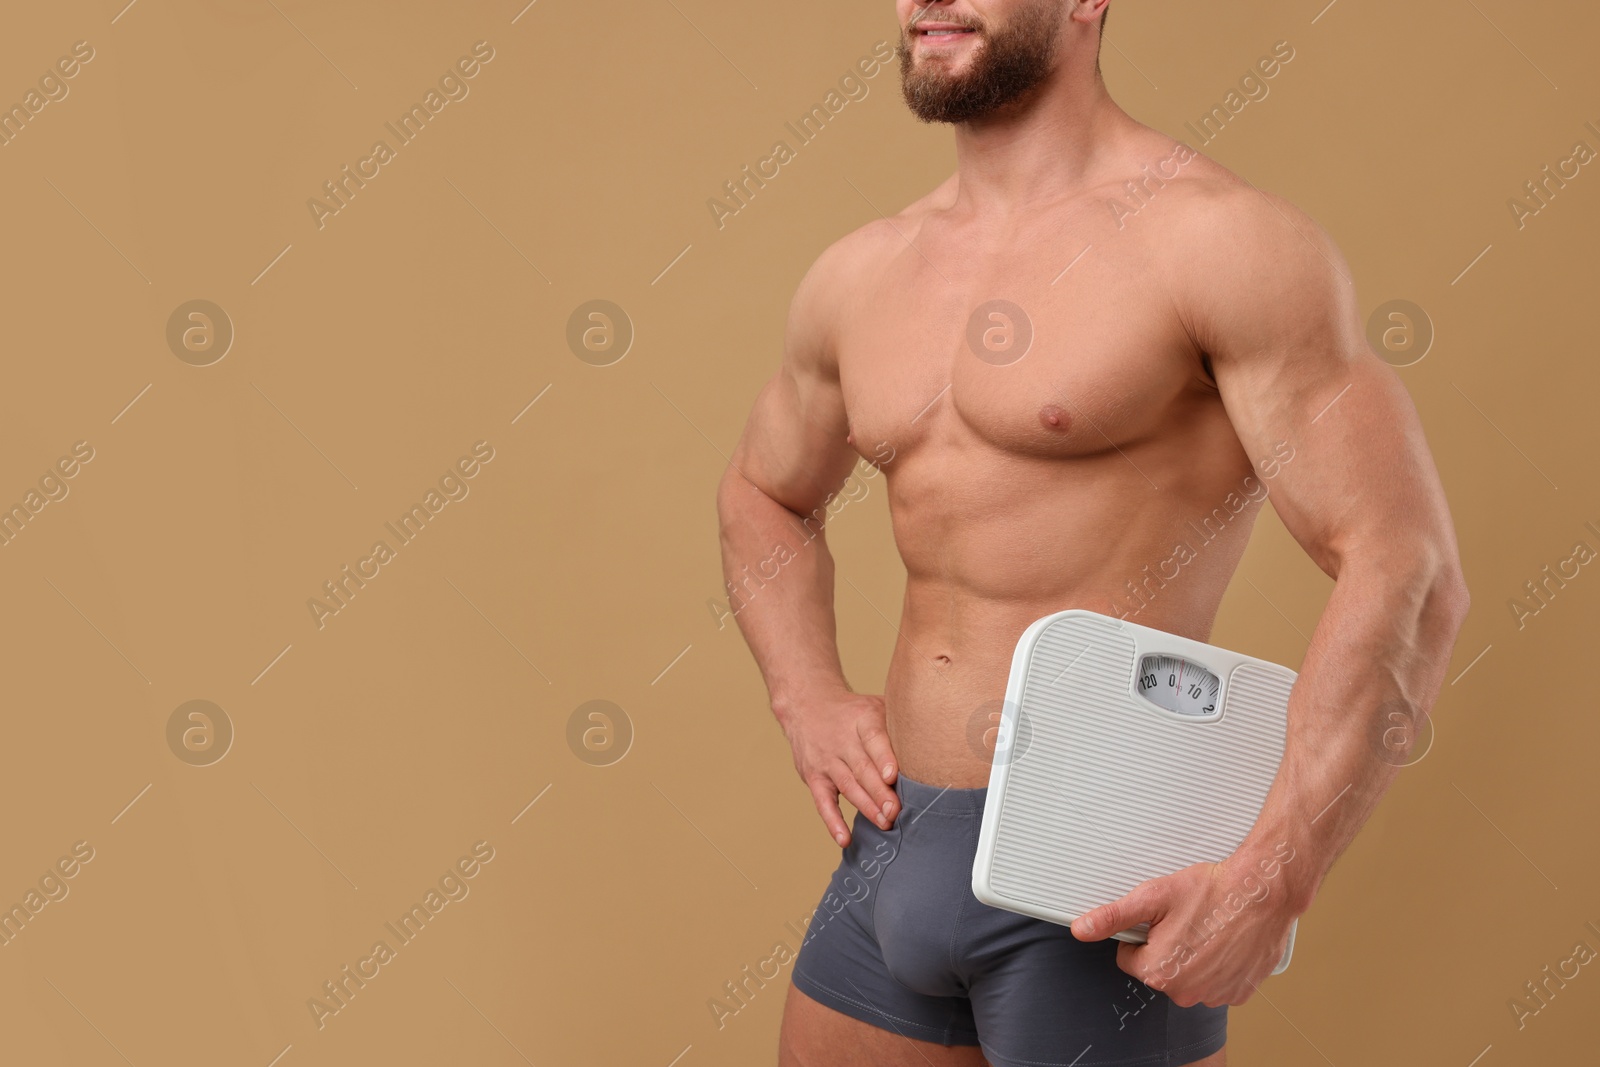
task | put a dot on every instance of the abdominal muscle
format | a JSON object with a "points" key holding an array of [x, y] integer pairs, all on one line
{"points": [[979, 572]]}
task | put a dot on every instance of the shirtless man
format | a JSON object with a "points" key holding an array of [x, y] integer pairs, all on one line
{"points": [[1173, 341]]}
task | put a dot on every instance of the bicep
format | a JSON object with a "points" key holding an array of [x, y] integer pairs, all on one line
{"points": [[1350, 472], [794, 446]]}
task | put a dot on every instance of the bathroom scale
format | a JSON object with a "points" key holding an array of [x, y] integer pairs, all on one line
{"points": [[1124, 753]]}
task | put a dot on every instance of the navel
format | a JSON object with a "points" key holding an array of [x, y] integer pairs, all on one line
{"points": [[1053, 418]]}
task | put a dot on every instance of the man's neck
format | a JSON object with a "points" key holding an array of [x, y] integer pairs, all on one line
{"points": [[1045, 147]]}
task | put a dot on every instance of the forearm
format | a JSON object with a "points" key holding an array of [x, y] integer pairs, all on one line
{"points": [[779, 577], [1373, 670]]}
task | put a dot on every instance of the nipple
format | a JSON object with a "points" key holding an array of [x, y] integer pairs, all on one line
{"points": [[1053, 418]]}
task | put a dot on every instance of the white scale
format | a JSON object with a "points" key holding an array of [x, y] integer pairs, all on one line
{"points": [[1124, 753]]}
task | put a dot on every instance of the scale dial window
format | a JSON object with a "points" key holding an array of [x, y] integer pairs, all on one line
{"points": [[1178, 685]]}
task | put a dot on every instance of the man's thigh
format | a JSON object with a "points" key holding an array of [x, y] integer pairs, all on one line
{"points": [[814, 1035]]}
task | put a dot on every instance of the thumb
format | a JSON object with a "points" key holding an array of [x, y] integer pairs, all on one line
{"points": [[1143, 903]]}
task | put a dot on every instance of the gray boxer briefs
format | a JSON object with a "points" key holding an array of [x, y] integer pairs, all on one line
{"points": [[900, 942]]}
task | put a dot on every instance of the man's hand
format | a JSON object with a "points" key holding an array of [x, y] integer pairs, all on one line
{"points": [[1214, 932], [841, 746]]}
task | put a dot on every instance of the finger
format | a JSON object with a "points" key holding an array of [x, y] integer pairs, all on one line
{"points": [[847, 784], [882, 797], [875, 739], [1157, 970], [1142, 963], [1146, 902], [827, 800]]}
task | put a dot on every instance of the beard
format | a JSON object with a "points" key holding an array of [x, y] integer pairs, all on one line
{"points": [[1006, 66]]}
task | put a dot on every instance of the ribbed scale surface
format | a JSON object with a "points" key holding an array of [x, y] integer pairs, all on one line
{"points": [[1191, 794]]}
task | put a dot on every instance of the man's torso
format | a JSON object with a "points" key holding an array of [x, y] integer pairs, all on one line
{"points": [[1098, 470]]}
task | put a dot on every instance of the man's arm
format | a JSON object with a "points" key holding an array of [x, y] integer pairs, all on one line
{"points": [[1362, 497], [790, 460], [1267, 296]]}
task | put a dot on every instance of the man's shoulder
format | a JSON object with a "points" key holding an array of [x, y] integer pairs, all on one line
{"points": [[1219, 217], [1241, 261], [845, 268]]}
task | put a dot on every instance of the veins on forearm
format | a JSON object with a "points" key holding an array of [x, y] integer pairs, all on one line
{"points": [[1372, 670]]}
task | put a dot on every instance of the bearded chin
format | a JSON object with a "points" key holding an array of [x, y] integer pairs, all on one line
{"points": [[1006, 65]]}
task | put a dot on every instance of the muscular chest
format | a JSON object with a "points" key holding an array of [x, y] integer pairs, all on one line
{"points": [[1020, 347]]}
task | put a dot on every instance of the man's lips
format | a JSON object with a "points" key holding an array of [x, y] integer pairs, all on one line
{"points": [[941, 34], [928, 30]]}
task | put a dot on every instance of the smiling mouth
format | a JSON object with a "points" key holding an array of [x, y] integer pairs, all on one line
{"points": [[935, 29], [942, 34]]}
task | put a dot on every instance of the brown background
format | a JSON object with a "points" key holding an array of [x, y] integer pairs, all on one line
{"points": [[371, 753]]}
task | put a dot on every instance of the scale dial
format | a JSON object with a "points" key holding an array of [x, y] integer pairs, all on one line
{"points": [[1179, 685]]}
